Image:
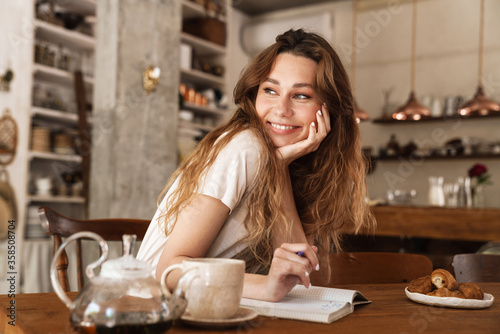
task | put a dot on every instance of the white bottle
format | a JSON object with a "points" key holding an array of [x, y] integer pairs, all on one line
{"points": [[436, 191]]}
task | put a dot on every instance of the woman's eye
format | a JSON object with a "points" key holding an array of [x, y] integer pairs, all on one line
{"points": [[302, 96], [269, 91]]}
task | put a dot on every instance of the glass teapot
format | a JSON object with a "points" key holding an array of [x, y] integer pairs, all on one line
{"points": [[123, 298]]}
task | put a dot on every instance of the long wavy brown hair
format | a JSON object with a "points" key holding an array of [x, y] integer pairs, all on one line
{"points": [[328, 184]]}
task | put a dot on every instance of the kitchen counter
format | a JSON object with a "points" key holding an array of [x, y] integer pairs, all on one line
{"points": [[470, 224]]}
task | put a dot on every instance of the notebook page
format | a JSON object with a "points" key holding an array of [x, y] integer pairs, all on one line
{"points": [[322, 293]]}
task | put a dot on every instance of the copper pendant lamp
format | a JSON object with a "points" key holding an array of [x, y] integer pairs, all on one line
{"points": [[480, 105], [412, 110], [360, 114]]}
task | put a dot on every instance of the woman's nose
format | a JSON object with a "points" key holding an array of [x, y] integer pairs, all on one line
{"points": [[283, 107]]}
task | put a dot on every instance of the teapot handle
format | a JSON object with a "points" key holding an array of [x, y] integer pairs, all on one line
{"points": [[89, 270]]}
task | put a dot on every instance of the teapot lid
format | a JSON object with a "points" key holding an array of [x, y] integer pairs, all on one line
{"points": [[127, 266]]}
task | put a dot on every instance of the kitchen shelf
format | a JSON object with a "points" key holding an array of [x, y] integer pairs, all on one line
{"points": [[56, 199], [192, 10], [203, 47], [55, 75], [57, 115], [204, 110], [59, 35], [432, 158], [391, 121], [84, 7], [54, 156], [201, 79]]}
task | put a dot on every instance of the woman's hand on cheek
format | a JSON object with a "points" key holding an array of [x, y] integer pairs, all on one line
{"points": [[317, 132]]}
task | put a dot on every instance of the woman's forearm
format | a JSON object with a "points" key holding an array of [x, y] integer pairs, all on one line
{"points": [[292, 217], [254, 286]]}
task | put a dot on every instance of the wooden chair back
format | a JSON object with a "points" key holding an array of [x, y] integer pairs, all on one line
{"points": [[377, 267], [476, 268], [60, 227]]}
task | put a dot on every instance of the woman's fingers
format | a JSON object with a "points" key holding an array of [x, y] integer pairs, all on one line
{"points": [[290, 271], [326, 116], [323, 121], [301, 253], [291, 265]]}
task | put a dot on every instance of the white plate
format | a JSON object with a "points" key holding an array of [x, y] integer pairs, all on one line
{"points": [[241, 316], [451, 301]]}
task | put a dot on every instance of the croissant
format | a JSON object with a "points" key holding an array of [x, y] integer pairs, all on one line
{"points": [[445, 292], [442, 278], [421, 285], [471, 291]]}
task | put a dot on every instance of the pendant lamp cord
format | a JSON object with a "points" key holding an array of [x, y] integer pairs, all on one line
{"points": [[481, 44], [413, 45]]}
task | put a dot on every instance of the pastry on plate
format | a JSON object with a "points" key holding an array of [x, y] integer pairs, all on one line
{"points": [[442, 278], [471, 291], [421, 285], [445, 292]]}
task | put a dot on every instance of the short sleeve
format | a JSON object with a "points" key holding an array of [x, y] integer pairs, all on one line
{"points": [[234, 170]]}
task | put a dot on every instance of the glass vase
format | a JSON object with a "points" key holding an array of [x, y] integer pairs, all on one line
{"points": [[478, 196]]}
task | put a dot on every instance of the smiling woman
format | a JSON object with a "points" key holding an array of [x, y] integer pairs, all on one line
{"points": [[286, 101], [283, 176]]}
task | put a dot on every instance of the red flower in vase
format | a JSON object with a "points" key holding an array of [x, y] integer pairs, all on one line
{"points": [[480, 172]]}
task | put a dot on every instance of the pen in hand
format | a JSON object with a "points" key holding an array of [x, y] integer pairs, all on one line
{"points": [[302, 254]]}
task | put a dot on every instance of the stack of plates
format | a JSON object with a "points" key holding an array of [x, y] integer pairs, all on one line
{"points": [[64, 144], [40, 140]]}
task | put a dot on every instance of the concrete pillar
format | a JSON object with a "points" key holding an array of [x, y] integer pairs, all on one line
{"points": [[134, 136]]}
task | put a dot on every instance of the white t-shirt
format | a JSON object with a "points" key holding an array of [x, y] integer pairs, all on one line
{"points": [[229, 180]]}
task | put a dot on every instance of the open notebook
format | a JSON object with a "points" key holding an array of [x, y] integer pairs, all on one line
{"points": [[316, 304]]}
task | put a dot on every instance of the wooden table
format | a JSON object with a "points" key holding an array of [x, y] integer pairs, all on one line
{"points": [[468, 224], [390, 312]]}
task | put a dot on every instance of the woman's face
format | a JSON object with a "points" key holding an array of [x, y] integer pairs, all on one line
{"points": [[286, 101]]}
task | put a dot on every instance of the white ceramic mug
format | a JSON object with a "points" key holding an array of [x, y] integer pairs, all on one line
{"points": [[213, 287]]}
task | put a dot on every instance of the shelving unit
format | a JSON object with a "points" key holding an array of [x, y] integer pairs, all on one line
{"points": [[77, 48], [54, 156], [59, 35], [435, 158], [56, 199], [51, 164], [427, 120], [390, 121], [56, 76], [54, 115], [201, 81]]}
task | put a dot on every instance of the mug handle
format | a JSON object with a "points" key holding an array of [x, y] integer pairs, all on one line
{"points": [[183, 283], [177, 299], [164, 288], [89, 270]]}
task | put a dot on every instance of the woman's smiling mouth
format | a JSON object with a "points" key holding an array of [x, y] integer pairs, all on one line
{"points": [[283, 127]]}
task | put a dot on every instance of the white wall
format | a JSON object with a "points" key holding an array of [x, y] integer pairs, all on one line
{"points": [[446, 64], [237, 59], [16, 52]]}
